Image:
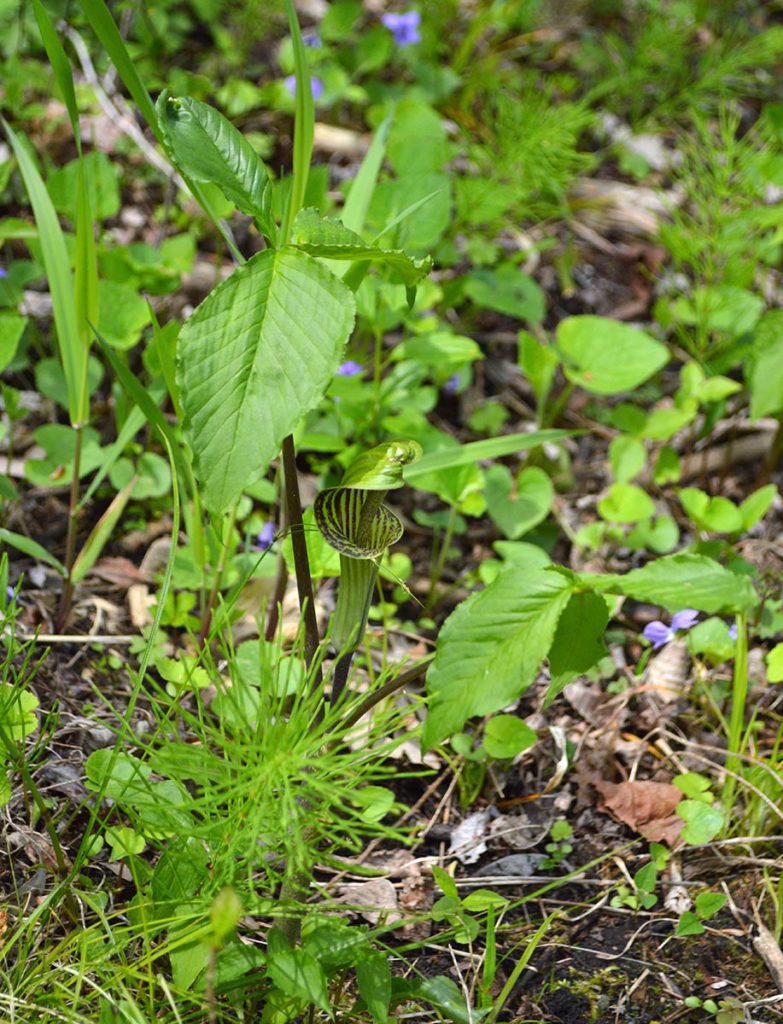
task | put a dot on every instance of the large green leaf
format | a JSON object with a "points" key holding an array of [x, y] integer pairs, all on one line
{"points": [[578, 643], [322, 236], [491, 647], [607, 357], [683, 581], [209, 148], [256, 355], [765, 376]]}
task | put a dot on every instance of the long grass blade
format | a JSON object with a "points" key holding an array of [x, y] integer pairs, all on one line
{"points": [[304, 123], [73, 349], [101, 532], [144, 401], [31, 548], [98, 15], [493, 448], [354, 212], [60, 66]]}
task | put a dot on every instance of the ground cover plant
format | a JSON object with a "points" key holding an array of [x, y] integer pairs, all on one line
{"points": [[390, 581]]}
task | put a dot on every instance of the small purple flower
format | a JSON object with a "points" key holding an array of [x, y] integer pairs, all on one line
{"points": [[733, 631], [451, 385], [265, 536], [315, 84], [3, 272], [404, 27], [659, 634], [350, 368], [312, 39], [9, 593]]}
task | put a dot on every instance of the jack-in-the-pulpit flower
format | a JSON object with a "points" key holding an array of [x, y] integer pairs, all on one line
{"points": [[659, 634], [404, 27]]}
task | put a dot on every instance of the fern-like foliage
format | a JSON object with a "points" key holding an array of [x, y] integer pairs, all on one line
{"points": [[532, 156]]}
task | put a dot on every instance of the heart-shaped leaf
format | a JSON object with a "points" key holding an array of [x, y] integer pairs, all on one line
{"points": [[607, 357], [517, 509]]}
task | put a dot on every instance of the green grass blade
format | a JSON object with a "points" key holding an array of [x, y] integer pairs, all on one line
{"points": [[32, 548], [144, 401], [101, 532], [73, 349], [132, 425], [493, 448], [99, 17], [304, 123], [167, 357], [60, 66], [85, 282], [407, 212], [354, 212]]}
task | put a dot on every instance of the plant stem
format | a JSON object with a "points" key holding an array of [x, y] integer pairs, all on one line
{"points": [[775, 452], [739, 695], [389, 687], [70, 541], [220, 568], [440, 561], [304, 581], [281, 570]]}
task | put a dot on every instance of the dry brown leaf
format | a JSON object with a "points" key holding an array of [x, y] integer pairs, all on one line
{"points": [[140, 600], [119, 571], [667, 672], [646, 807], [375, 899], [524, 828]]}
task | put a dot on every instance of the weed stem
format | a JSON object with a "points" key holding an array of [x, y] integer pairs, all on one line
{"points": [[70, 542], [304, 582]]}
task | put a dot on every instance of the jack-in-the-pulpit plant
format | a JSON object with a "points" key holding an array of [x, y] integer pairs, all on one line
{"points": [[354, 520]]}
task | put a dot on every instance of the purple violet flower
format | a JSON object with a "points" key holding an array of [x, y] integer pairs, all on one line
{"points": [[733, 631], [3, 272], [265, 536], [404, 27], [315, 84], [451, 385], [350, 368], [659, 634], [312, 39]]}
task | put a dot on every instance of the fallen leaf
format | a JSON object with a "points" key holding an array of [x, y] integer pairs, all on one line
{"points": [[668, 671], [524, 828], [646, 807], [119, 571], [374, 900], [467, 839]]}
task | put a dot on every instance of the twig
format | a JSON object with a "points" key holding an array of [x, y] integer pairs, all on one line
{"points": [[123, 119], [389, 687]]}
